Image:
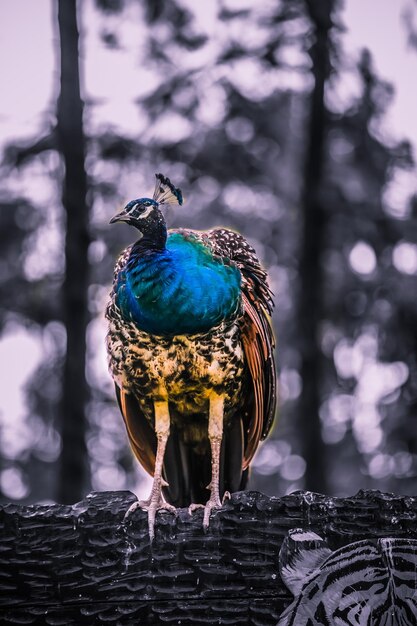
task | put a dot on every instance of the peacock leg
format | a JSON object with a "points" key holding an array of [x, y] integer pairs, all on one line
{"points": [[155, 502], [215, 433]]}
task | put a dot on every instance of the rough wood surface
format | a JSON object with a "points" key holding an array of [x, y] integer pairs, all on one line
{"points": [[81, 565]]}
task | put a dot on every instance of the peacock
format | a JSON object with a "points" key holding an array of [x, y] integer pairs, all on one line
{"points": [[191, 352]]}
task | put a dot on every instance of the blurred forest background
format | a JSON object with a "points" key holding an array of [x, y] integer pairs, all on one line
{"points": [[270, 127]]}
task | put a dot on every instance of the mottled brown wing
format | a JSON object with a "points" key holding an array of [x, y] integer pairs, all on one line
{"points": [[257, 336], [257, 339], [141, 435]]}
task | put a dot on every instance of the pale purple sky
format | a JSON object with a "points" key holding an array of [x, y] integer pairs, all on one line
{"points": [[27, 65], [28, 78]]}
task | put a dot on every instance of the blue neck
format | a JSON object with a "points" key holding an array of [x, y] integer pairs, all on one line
{"points": [[179, 289]]}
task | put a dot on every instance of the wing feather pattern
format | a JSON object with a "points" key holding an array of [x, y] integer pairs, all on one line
{"points": [[257, 336]]}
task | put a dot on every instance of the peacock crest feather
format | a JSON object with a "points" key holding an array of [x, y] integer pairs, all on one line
{"points": [[165, 192]]}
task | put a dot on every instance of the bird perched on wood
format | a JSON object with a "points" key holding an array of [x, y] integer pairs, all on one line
{"points": [[190, 349]]}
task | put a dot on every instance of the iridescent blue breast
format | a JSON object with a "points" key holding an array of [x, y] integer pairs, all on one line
{"points": [[182, 289]]}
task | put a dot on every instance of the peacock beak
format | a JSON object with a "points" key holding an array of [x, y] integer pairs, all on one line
{"points": [[123, 216]]}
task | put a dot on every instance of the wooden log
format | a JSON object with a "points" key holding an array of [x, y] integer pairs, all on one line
{"points": [[82, 565]]}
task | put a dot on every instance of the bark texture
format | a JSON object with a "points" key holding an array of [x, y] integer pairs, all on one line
{"points": [[81, 565]]}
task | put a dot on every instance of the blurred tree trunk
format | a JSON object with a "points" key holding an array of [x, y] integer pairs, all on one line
{"points": [[73, 468], [310, 310]]}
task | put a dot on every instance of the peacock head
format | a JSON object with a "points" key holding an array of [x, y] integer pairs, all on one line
{"points": [[144, 213], [138, 212]]}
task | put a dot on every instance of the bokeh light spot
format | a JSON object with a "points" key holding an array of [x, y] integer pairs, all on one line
{"points": [[404, 257], [293, 468], [12, 484], [362, 258]]}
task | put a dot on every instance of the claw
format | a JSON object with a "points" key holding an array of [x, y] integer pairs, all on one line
{"points": [[212, 503], [194, 507], [152, 505], [226, 496]]}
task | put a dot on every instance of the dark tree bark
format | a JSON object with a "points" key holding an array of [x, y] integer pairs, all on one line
{"points": [[73, 468], [84, 565], [313, 231]]}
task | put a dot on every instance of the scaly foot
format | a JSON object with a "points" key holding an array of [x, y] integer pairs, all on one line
{"points": [[153, 504], [213, 503]]}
